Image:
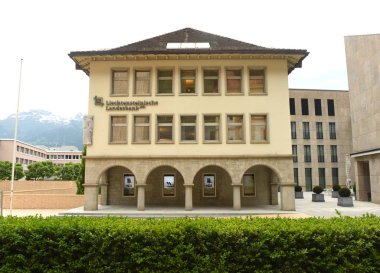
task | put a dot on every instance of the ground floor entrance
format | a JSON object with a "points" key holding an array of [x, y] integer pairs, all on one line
{"points": [[189, 183]]}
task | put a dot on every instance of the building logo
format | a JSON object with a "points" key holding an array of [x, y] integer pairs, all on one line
{"points": [[98, 101]]}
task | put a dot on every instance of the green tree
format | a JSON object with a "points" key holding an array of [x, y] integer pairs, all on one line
{"points": [[6, 171], [40, 170], [80, 179], [71, 171]]}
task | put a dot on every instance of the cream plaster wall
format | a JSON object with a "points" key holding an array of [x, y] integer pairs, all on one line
{"points": [[275, 104]]}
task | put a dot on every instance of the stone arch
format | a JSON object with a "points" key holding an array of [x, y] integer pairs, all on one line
{"points": [[164, 187], [212, 187]]}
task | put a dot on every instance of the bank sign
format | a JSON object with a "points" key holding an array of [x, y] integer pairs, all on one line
{"points": [[124, 105]]}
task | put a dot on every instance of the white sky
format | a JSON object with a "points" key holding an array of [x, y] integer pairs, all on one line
{"points": [[43, 32]]}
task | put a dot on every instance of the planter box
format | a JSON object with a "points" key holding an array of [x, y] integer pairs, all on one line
{"points": [[345, 201], [318, 197], [299, 194], [335, 194]]}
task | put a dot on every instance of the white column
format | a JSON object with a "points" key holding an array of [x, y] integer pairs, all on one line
{"points": [[236, 196], [91, 197], [140, 196], [188, 196], [287, 196]]}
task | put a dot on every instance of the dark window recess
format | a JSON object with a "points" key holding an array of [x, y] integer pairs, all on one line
{"points": [[330, 108], [292, 106], [305, 107], [318, 107]]}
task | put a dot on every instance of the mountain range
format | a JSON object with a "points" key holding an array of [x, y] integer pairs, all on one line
{"points": [[40, 127]]}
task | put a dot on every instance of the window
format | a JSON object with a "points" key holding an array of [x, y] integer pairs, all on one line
{"points": [[321, 153], [164, 128], [293, 127], [120, 83], [235, 132], [307, 153], [189, 128], [305, 107], [306, 130], [256, 81], [209, 185], [322, 177], [335, 176], [165, 81], [211, 128], [294, 153], [292, 106], [142, 82], [233, 77], [249, 186], [168, 185], [308, 179], [334, 153], [129, 185], [259, 129], [319, 130], [295, 174], [318, 107], [330, 108], [188, 81], [141, 132], [211, 81], [118, 129], [332, 130]]}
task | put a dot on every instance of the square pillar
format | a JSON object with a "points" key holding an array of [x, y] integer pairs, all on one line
{"points": [[274, 193], [236, 196], [104, 194], [188, 196], [287, 197], [91, 197], [140, 196]]}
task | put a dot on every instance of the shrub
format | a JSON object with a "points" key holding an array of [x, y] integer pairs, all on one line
{"points": [[111, 244], [344, 192], [298, 188], [336, 187], [317, 189]]}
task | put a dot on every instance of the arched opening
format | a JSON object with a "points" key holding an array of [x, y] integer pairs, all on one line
{"points": [[212, 187], [259, 186], [119, 186], [164, 187]]}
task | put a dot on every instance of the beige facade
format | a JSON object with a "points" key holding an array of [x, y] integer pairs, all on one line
{"points": [[363, 69], [188, 127], [321, 136]]}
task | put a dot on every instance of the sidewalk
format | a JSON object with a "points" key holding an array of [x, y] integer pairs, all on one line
{"points": [[304, 208]]}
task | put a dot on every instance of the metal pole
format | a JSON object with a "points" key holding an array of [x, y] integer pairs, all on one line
{"points": [[1, 203], [14, 142]]}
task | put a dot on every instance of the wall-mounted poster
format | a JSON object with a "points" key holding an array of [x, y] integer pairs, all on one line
{"points": [[169, 185], [209, 185], [129, 185], [249, 186]]}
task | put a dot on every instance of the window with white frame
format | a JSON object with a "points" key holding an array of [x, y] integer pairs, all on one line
{"points": [[165, 128], [259, 129], [142, 82], [141, 130], [211, 81], [209, 185], [188, 128], [233, 77], [118, 129], [165, 81], [120, 82], [257, 81], [188, 79], [235, 132], [129, 185], [211, 128], [168, 185]]}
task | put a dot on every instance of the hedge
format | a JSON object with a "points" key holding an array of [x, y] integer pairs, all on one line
{"points": [[79, 244]]}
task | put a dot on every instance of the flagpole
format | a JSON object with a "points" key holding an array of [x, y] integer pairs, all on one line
{"points": [[14, 141]]}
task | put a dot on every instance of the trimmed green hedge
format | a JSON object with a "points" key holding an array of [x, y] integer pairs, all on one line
{"points": [[77, 244]]}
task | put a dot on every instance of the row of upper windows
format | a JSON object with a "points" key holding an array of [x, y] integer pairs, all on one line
{"points": [[188, 128], [317, 107], [235, 80], [28, 151], [320, 153], [318, 131]]}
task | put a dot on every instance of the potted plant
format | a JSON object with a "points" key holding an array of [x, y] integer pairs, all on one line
{"points": [[317, 196], [345, 198], [335, 192], [298, 192]]}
